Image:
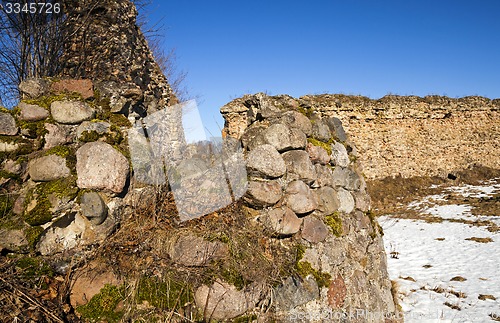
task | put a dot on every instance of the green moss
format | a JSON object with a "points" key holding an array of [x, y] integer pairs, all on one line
{"points": [[164, 294], [89, 136], [102, 307], [304, 269], [245, 319], [334, 222], [5, 206], [6, 174], [65, 152], [34, 129], [46, 100], [234, 277], [325, 145], [218, 236], [41, 213], [119, 120], [33, 235], [33, 267], [308, 112], [301, 250]]}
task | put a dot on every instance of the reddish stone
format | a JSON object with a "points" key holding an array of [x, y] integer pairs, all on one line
{"points": [[83, 87], [337, 293]]}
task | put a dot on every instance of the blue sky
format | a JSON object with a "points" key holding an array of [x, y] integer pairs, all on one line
{"points": [[372, 48]]}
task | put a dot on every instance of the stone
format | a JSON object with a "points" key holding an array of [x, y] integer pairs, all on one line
{"points": [[362, 201], [324, 175], [340, 176], [193, 251], [12, 240], [83, 87], [71, 112], [354, 181], [347, 203], [48, 168], [297, 120], [300, 198], [100, 127], [32, 112], [222, 301], [339, 156], [337, 293], [336, 127], [299, 166], [320, 131], [317, 154], [57, 135], [283, 221], [34, 88], [263, 193], [7, 147], [253, 137], [12, 166], [265, 161], [295, 292], [328, 201], [100, 166], [7, 125], [314, 230], [284, 138], [93, 207]]}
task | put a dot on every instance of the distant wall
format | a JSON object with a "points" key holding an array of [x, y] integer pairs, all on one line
{"points": [[413, 136]]}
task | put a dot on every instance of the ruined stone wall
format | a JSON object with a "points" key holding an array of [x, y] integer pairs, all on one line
{"points": [[407, 136], [414, 136]]}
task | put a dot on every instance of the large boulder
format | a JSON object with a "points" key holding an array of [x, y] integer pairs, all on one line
{"points": [[48, 168], [83, 87], [57, 135], [265, 161], [314, 230], [284, 138], [339, 156], [283, 221], [32, 112], [299, 165], [263, 193], [7, 125], [34, 88], [71, 112], [297, 120], [93, 207], [100, 166]]}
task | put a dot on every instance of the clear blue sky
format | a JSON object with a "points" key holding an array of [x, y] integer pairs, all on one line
{"points": [[367, 47]]}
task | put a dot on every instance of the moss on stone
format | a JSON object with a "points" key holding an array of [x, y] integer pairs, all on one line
{"points": [[304, 269], [377, 228], [89, 136], [308, 112], [119, 120], [33, 267], [6, 174], [334, 222], [40, 214], [164, 294], [102, 307], [5, 205], [232, 276], [33, 235], [66, 152], [325, 145], [34, 129], [46, 100]]}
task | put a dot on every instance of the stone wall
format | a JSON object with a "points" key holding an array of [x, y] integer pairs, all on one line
{"points": [[408, 136]]}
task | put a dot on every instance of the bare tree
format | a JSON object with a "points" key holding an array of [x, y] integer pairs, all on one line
{"points": [[31, 39]]}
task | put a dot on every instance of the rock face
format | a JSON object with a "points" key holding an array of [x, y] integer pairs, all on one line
{"points": [[48, 168], [71, 112], [32, 112], [100, 166]]}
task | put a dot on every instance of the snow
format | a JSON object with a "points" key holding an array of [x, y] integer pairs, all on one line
{"points": [[416, 244]]}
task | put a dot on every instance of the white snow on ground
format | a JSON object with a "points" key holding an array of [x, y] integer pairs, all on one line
{"points": [[420, 253]]}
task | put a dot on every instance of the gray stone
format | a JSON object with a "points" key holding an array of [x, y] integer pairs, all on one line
{"points": [[339, 156], [327, 200], [223, 301], [300, 198], [299, 166], [12, 167], [93, 207], [193, 251], [314, 230], [265, 161], [48, 168], [253, 136], [34, 88], [336, 127], [295, 291], [340, 176], [263, 193], [57, 135], [284, 138], [347, 203], [320, 131], [7, 125], [12, 240], [100, 166], [71, 112], [317, 154], [295, 119], [283, 221], [98, 127], [362, 201], [325, 175], [354, 181], [32, 112]]}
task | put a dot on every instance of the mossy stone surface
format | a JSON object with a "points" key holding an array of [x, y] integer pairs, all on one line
{"points": [[334, 222], [102, 307]]}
